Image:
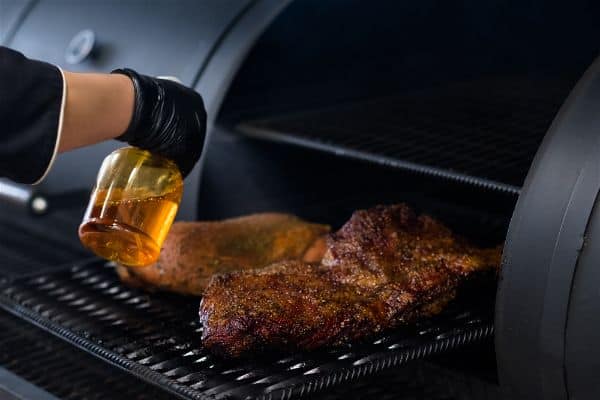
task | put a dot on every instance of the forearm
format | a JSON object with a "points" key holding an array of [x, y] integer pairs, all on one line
{"points": [[98, 107], [42, 114]]}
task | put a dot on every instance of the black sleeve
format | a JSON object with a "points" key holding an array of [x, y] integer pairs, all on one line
{"points": [[31, 94]]}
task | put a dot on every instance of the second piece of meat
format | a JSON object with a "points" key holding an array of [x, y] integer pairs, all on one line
{"points": [[194, 251], [384, 267]]}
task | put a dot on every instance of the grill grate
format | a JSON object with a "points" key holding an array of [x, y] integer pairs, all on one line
{"points": [[421, 380], [157, 338], [49, 360], [483, 133], [62, 370], [29, 243]]}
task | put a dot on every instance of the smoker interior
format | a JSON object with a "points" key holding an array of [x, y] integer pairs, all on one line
{"points": [[156, 337], [463, 92], [337, 117], [328, 115]]}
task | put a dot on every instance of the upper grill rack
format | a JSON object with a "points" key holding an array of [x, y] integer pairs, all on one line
{"points": [[157, 338], [484, 132]]}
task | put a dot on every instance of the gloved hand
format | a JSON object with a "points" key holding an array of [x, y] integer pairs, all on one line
{"points": [[168, 119]]}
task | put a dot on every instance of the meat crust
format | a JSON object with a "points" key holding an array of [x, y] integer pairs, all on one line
{"points": [[194, 251], [386, 266]]}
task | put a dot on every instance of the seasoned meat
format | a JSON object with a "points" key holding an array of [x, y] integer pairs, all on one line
{"points": [[386, 266], [194, 251]]}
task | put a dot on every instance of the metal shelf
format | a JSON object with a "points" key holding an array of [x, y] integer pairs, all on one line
{"points": [[484, 132]]}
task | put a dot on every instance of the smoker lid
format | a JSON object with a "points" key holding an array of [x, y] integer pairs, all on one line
{"points": [[547, 233]]}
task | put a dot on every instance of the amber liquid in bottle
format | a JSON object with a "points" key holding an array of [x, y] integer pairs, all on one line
{"points": [[127, 228]]}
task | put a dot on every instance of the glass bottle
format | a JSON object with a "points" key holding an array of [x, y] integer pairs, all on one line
{"points": [[132, 207]]}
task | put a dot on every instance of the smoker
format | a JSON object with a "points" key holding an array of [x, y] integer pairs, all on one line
{"points": [[484, 114]]}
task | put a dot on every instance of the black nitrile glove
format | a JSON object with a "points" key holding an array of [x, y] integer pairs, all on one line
{"points": [[168, 119]]}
